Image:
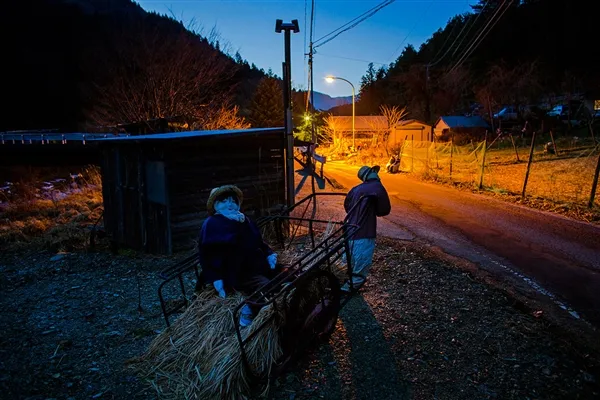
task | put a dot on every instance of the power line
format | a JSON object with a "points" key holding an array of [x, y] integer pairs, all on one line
{"points": [[409, 32], [351, 24], [471, 27], [434, 63], [352, 59], [477, 41], [445, 42]]}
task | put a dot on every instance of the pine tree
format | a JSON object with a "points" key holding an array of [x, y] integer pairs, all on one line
{"points": [[266, 108]]}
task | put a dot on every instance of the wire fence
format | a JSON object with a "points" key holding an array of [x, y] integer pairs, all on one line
{"points": [[561, 171]]}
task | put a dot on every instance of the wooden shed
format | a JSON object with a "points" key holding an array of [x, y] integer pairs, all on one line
{"points": [[411, 129], [155, 187]]}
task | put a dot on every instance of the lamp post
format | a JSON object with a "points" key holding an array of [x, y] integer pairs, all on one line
{"points": [[330, 79], [287, 28]]}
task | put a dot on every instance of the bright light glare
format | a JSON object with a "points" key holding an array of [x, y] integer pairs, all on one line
{"points": [[330, 79]]}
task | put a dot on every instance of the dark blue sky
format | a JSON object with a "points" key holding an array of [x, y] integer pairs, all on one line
{"points": [[248, 26]]}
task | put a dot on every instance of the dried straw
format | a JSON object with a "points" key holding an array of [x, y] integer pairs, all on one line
{"points": [[199, 356]]}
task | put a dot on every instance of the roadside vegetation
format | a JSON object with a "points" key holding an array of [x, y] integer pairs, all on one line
{"points": [[55, 216]]}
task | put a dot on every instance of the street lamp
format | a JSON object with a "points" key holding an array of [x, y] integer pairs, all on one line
{"points": [[330, 79]]}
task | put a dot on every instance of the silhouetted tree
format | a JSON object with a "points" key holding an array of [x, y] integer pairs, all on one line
{"points": [[266, 108]]}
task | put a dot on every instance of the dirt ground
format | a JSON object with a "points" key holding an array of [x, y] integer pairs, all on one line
{"points": [[421, 329]]}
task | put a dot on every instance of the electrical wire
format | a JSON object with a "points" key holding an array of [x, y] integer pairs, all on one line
{"points": [[410, 32], [434, 63], [471, 27], [485, 31], [351, 24], [352, 59]]}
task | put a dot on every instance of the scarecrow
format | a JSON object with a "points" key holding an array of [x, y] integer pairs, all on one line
{"points": [[233, 255]]}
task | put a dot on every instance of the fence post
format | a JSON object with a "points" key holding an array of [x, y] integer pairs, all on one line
{"points": [[528, 165], [553, 143], [483, 161], [427, 160], [412, 152], [512, 139], [451, 151], [594, 183]]}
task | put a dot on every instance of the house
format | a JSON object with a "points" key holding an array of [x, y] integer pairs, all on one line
{"points": [[155, 187], [411, 129], [473, 127]]}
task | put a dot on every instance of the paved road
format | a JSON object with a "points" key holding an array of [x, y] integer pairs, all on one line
{"points": [[549, 254]]}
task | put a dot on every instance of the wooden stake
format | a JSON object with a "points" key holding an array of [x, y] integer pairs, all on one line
{"points": [[528, 165], [553, 143], [514, 147], [594, 183], [451, 151], [412, 154], [483, 162]]}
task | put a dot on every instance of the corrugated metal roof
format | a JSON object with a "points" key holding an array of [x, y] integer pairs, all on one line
{"points": [[189, 134], [463, 122]]}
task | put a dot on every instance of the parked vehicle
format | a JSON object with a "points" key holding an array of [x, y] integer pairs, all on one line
{"points": [[574, 110], [508, 113]]}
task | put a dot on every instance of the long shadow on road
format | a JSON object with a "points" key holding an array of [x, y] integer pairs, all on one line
{"points": [[368, 359], [356, 364]]}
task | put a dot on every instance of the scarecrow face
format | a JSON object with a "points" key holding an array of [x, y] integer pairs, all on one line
{"points": [[228, 203]]}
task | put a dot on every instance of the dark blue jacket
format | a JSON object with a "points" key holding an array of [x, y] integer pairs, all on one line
{"points": [[232, 251], [366, 213]]}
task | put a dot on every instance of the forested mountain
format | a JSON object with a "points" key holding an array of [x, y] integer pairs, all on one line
{"points": [[503, 52], [76, 64]]}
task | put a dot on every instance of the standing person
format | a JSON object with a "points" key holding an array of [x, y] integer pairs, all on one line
{"points": [[373, 201], [233, 254]]}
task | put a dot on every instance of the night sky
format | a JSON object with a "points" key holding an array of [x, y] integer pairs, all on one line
{"points": [[248, 26]]}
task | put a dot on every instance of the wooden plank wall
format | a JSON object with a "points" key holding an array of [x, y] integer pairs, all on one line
{"points": [[253, 162]]}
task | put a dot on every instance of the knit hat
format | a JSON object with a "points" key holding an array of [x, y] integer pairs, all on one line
{"points": [[365, 171], [221, 190]]}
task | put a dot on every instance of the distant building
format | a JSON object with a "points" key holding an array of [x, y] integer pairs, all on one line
{"points": [[411, 129], [464, 127]]}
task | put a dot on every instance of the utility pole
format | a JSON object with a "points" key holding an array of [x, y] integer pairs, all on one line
{"points": [[287, 28]]}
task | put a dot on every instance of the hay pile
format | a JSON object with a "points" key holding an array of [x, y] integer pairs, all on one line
{"points": [[199, 355]]}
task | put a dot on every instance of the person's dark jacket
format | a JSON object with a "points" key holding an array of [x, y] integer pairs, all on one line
{"points": [[365, 214], [232, 251]]}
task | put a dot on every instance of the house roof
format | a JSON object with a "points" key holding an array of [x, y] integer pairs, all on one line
{"points": [[361, 122], [410, 122], [188, 135], [462, 122]]}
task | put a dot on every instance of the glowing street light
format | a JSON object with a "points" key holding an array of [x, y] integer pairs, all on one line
{"points": [[332, 78]]}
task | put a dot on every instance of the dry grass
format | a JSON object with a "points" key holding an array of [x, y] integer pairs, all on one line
{"points": [[53, 224]]}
